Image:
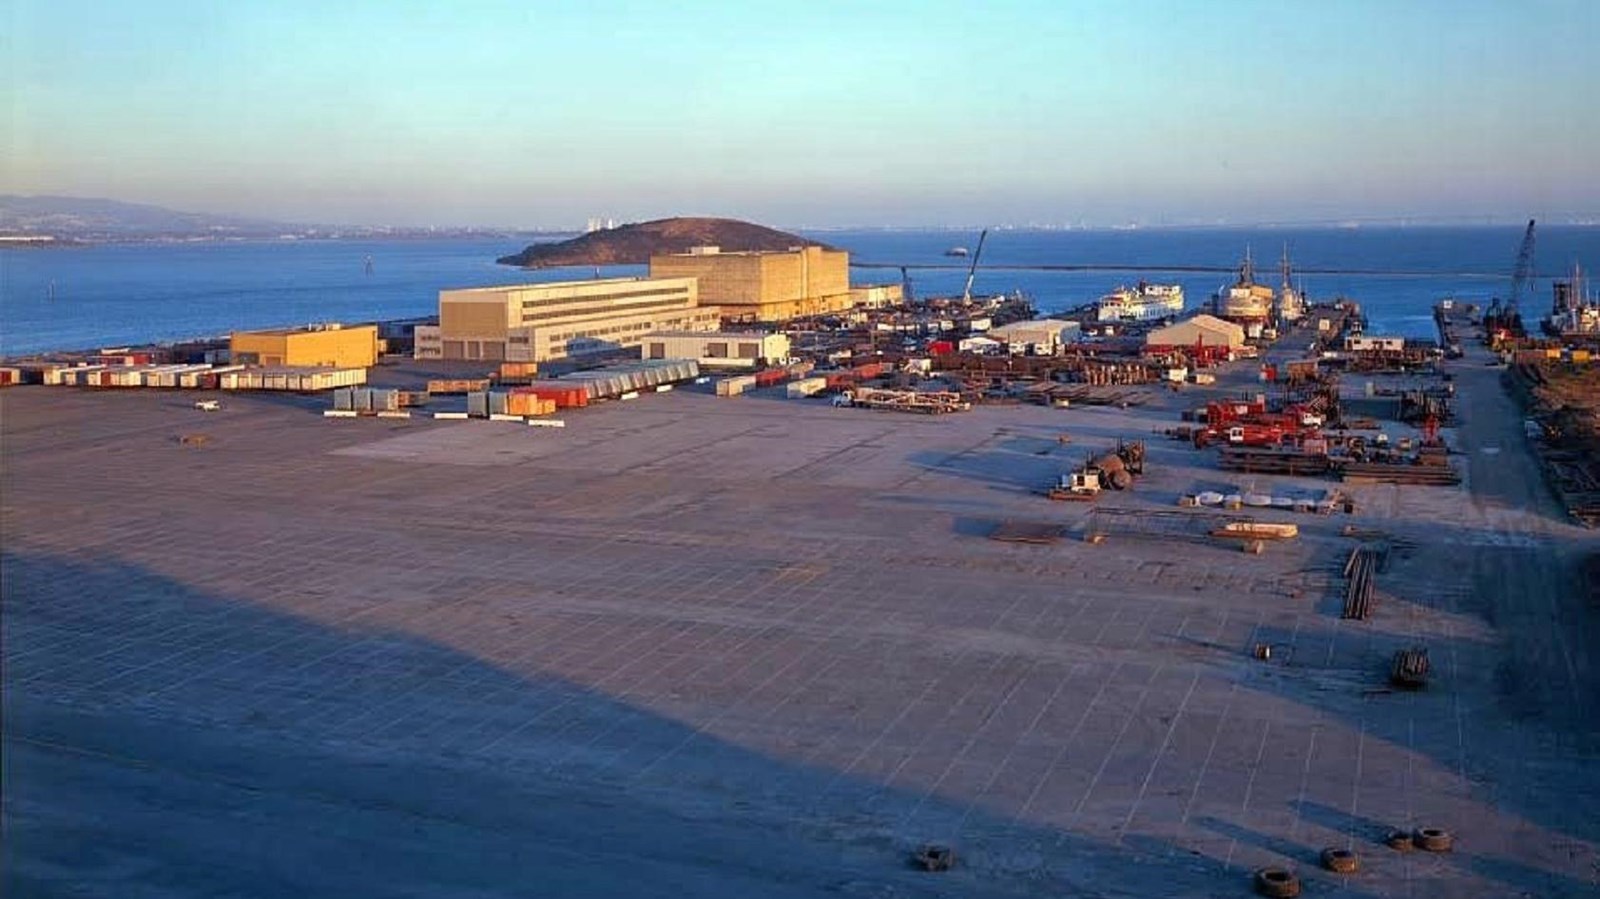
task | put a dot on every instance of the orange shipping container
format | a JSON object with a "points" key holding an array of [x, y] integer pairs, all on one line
{"points": [[564, 396], [458, 385], [529, 404], [518, 369]]}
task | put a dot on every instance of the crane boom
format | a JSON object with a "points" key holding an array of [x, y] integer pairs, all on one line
{"points": [[1522, 275], [966, 292]]}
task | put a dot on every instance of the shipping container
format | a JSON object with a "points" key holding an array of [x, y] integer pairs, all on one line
{"points": [[528, 404], [735, 386], [458, 385], [565, 396], [497, 403], [478, 404], [807, 387], [770, 377], [385, 400], [518, 369]]}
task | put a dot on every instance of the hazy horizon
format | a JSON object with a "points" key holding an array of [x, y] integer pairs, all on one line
{"points": [[835, 115]]}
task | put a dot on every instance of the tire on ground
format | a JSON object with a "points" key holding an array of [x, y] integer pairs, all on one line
{"points": [[1342, 861], [1432, 839], [1277, 883]]}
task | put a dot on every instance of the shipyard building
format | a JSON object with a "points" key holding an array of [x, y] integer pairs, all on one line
{"points": [[713, 349], [1203, 330], [327, 345], [764, 286], [560, 320]]}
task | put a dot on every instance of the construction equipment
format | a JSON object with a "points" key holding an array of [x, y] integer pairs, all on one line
{"points": [[1522, 272], [966, 292], [1114, 470], [1081, 486], [925, 402], [1504, 320]]}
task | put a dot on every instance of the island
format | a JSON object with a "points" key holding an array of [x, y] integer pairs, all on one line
{"points": [[634, 244]]}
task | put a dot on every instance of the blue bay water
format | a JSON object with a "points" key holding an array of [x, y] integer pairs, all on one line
{"points": [[132, 293]]}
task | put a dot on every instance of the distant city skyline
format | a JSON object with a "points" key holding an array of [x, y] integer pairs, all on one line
{"points": [[543, 116]]}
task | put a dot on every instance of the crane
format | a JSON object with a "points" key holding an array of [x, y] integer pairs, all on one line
{"points": [[966, 292], [1522, 274], [1505, 317]]}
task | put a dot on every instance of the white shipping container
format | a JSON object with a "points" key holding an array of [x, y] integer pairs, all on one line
{"points": [[806, 387]]}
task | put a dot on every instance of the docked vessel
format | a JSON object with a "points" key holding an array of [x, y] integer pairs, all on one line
{"points": [[1573, 313], [1142, 302], [1291, 302], [1245, 302]]}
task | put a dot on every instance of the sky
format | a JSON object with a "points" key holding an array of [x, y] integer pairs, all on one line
{"points": [[821, 113]]}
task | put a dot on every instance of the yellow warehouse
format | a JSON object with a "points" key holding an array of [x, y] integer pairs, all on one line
{"points": [[334, 345], [766, 286]]}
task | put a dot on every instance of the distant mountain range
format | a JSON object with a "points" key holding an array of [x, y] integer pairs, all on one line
{"points": [[85, 219]]}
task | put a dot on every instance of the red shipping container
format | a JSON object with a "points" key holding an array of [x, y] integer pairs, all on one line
{"points": [[941, 347], [565, 396], [770, 377]]}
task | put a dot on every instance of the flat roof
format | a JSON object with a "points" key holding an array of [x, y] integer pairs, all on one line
{"points": [[755, 252], [716, 335], [587, 282], [289, 332]]}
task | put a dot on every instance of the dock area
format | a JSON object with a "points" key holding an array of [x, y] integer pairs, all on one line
{"points": [[698, 646]]}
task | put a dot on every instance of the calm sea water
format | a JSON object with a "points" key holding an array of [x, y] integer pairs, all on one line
{"points": [[80, 297]]}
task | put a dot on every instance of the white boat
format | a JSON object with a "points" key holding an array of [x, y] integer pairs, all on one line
{"points": [[1142, 302], [1209, 498], [956, 251]]}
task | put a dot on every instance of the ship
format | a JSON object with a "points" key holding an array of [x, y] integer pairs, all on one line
{"points": [[1291, 302], [1573, 313], [956, 251], [1142, 302], [1245, 302]]}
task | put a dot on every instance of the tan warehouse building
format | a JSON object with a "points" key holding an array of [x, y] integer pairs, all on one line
{"points": [[766, 286], [546, 322], [728, 349], [339, 346]]}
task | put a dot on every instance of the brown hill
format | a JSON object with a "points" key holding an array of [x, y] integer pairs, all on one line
{"points": [[633, 244]]}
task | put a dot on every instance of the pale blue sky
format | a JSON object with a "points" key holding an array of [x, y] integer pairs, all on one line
{"points": [[543, 114]]}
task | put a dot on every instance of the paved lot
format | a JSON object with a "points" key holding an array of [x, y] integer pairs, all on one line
{"points": [[702, 646]]}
